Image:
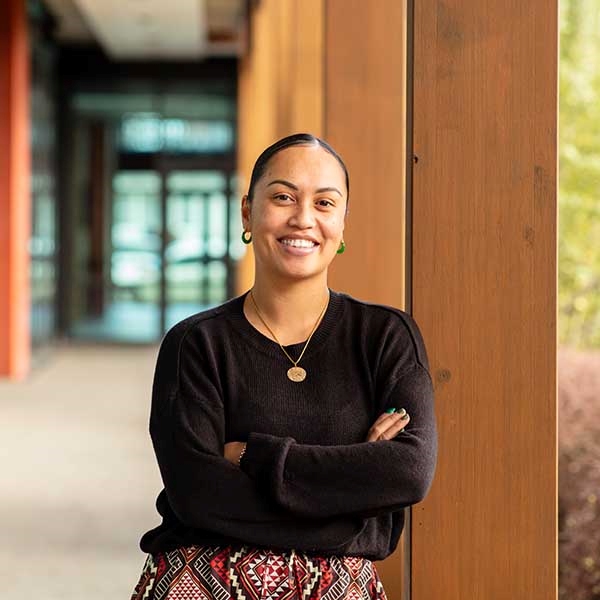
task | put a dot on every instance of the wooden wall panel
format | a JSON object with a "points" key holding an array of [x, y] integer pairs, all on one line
{"points": [[280, 86], [15, 200], [306, 28], [482, 249], [484, 292], [365, 122], [257, 108]]}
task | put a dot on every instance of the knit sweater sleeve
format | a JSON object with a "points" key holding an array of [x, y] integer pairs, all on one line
{"points": [[364, 479], [205, 490]]}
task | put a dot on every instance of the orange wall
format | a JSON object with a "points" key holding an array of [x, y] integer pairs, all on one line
{"points": [[15, 200]]}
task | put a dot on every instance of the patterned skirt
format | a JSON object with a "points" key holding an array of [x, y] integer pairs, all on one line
{"points": [[244, 573]]}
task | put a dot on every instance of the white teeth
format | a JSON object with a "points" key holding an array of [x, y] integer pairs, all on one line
{"points": [[298, 243]]}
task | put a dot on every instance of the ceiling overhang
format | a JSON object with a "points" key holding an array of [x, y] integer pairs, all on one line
{"points": [[167, 30]]}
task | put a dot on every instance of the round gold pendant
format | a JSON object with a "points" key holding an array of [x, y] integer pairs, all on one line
{"points": [[296, 374]]}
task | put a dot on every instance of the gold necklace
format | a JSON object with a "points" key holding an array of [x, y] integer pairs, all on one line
{"points": [[294, 373]]}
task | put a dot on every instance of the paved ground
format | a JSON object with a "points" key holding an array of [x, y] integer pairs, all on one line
{"points": [[79, 478]]}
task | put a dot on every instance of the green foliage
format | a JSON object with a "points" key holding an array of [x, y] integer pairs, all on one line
{"points": [[579, 174]]}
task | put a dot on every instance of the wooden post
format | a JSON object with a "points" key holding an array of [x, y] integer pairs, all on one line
{"points": [[484, 292]]}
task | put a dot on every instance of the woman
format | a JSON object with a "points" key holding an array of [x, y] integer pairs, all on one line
{"points": [[280, 419]]}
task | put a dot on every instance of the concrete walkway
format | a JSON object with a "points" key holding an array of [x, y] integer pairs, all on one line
{"points": [[79, 477]]}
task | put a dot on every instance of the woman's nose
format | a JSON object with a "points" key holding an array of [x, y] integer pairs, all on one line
{"points": [[303, 215]]}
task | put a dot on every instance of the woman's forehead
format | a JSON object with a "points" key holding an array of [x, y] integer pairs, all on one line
{"points": [[305, 164]]}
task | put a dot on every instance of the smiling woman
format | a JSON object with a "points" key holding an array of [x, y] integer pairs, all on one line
{"points": [[293, 424], [295, 210]]}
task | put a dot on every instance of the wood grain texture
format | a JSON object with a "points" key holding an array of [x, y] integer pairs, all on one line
{"points": [[280, 87], [484, 293], [307, 65], [257, 110], [365, 122]]}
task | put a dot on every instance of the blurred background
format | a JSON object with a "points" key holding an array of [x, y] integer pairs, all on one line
{"points": [[137, 137], [579, 300], [131, 112]]}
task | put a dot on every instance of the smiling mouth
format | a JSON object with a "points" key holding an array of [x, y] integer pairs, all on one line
{"points": [[297, 243]]}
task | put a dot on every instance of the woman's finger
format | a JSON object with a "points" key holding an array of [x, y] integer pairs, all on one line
{"points": [[383, 429], [379, 422], [387, 414], [395, 428], [388, 427]]}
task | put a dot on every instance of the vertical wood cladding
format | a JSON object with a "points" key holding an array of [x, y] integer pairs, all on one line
{"points": [[482, 247], [484, 292], [280, 86], [365, 121]]}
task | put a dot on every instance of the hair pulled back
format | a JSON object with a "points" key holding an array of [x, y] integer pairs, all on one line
{"points": [[297, 139]]}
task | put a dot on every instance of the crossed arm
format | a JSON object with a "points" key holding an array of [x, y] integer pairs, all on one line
{"points": [[322, 494], [387, 472], [388, 425]]}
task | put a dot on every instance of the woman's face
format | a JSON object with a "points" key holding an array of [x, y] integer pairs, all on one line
{"points": [[297, 213]]}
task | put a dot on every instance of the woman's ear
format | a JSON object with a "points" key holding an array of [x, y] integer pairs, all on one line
{"points": [[246, 211]]}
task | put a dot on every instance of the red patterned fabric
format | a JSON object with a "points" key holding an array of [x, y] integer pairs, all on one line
{"points": [[244, 573]]}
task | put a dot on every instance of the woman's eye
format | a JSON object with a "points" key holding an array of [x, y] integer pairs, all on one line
{"points": [[283, 197], [325, 203]]}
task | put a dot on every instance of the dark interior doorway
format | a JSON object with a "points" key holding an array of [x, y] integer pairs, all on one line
{"points": [[150, 219]]}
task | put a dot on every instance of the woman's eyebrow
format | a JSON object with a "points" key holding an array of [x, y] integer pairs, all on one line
{"points": [[295, 187], [283, 182], [328, 189]]}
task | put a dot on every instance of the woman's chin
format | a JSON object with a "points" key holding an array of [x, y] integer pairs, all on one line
{"points": [[292, 267], [301, 272]]}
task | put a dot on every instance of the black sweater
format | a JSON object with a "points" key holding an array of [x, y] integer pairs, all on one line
{"points": [[308, 480]]}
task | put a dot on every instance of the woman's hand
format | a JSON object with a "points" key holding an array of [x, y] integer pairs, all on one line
{"points": [[233, 450], [388, 425]]}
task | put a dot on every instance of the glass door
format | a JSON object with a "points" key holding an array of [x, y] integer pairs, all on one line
{"points": [[173, 239], [197, 264], [148, 226], [183, 219], [133, 299]]}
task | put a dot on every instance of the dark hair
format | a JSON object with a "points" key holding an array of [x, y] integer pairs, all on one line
{"points": [[297, 139]]}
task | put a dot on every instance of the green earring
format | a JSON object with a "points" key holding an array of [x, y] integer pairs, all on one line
{"points": [[342, 248], [244, 238]]}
